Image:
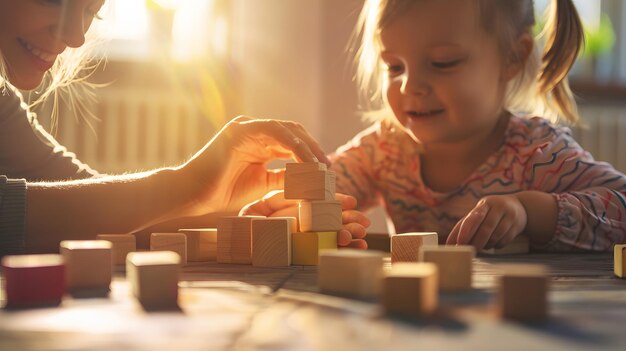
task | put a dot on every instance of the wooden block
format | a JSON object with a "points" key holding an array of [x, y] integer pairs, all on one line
{"points": [[201, 244], [619, 261], [234, 239], [411, 289], [122, 244], [309, 181], [454, 264], [306, 247], [320, 216], [519, 245], [378, 242], [271, 241], [33, 280], [88, 264], [405, 247], [522, 292], [176, 242], [351, 272], [153, 277]]}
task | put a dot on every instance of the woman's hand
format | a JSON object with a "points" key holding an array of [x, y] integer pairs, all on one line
{"points": [[230, 171], [352, 233], [493, 223]]}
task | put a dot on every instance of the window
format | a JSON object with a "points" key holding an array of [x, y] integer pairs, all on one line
{"points": [[603, 61], [146, 29]]}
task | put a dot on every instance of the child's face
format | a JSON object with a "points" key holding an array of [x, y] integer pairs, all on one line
{"points": [[34, 32], [443, 78]]}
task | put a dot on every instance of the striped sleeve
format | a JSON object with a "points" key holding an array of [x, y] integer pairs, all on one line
{"points": [[12, 215], [590, 195], [354, 165]]}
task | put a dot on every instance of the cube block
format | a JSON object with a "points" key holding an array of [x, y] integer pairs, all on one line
{"points": [[619, 260], [122, 245], [88, 264], [320, 216], [33, 280], [351, 272], [309, 181], [411, 289], [522, 292], [153, 277], [306, 247], [201, 244], [176, 242], [454, 264], [271, 241], [234, 239], [405, 247]]}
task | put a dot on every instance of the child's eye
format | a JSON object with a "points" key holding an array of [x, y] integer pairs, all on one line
{"points": [[393, 69], [446, 64]]}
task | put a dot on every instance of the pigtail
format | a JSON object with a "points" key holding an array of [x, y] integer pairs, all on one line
{"points": [[564, 40]]}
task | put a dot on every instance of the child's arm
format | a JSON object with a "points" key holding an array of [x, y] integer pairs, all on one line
{"points": [[573, 202], [354, 164]]}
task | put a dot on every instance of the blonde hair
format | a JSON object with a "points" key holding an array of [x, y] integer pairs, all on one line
{"points": [[541, 88], [66, 80]]}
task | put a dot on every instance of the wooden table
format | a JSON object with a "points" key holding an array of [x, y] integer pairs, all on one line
{"points": [[247, 308]]}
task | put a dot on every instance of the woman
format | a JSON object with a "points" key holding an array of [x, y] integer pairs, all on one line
{"points": [[46, 195]]}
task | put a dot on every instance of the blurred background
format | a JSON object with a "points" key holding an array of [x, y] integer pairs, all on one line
{"points": [[177, 71]]}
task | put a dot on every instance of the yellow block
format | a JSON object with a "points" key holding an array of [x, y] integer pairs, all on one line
{"points": [[306, 246], [619, 263]]}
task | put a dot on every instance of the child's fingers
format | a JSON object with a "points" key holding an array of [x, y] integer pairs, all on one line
{"points": [[454, 234], [356, 230], [347, 202], [257, 208], [344, 237], [499, 232], [356, 244], [471, 223], [486, 229], [355, 217]]}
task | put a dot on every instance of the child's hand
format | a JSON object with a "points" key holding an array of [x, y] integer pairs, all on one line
{"points": [[352, 233], [494, 222]]}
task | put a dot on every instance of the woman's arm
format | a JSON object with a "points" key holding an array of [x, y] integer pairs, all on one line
{"points": [[226, 174]]}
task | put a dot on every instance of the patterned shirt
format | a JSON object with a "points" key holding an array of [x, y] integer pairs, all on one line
{"points": [[381, 165]]}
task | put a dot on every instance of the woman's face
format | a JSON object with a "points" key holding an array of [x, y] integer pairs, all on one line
{"points": [[34, 32]]}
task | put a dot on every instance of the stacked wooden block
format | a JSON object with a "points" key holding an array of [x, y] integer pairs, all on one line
{"points": [[271, 241], [319, 213]]}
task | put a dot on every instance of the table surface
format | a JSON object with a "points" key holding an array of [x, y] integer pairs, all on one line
{"points": [[242, 307]]}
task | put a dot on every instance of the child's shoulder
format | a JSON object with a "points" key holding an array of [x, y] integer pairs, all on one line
{"points": [[531, 131]]}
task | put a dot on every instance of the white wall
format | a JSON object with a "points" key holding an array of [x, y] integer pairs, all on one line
{"points": [[291, 64]]}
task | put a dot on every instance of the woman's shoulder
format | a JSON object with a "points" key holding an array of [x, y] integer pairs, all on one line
{"points": [[10, 100]]}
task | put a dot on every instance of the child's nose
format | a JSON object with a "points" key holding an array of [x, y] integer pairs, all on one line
{"points": [[415, 85], [71, 28]]}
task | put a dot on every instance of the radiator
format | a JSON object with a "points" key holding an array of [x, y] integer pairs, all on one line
{"points": [[605, 135], [143, 130], [137, 130]]}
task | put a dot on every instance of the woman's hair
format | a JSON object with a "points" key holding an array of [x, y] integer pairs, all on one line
{"points": [[541, 88], [66, 80]]}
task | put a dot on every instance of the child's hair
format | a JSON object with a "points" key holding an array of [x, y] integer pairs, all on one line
{"points": [[541, 88]]}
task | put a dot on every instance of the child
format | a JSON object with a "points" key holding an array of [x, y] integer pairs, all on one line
{"points": [[451, 151], [47, 195]]}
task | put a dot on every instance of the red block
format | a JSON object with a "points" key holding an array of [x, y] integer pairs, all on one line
{"points": [[33, 280]]}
